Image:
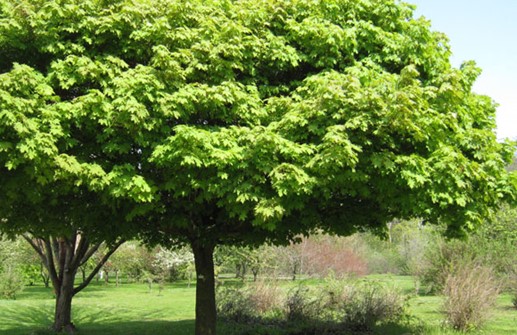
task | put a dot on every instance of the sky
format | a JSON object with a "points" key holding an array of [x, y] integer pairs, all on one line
{"points": [[486, 32]]}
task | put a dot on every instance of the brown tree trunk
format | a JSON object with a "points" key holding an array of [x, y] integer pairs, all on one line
{"points": [[206, 314], [63, 310]]}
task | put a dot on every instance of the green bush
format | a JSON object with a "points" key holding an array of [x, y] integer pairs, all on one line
{"points": [[233, 304], [440, 259], [369, 303], [11, 283], [301, 304]]}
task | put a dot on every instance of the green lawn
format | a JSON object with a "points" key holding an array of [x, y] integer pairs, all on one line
{"points": [[133, 309], [127, 309]]}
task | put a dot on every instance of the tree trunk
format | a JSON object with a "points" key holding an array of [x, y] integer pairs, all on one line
{"points": [[295, 270], [244, 270], [44, 275], [205, 289], [63, 311]]}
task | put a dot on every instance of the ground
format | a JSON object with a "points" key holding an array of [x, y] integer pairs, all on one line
{"points": [[133, 309]]}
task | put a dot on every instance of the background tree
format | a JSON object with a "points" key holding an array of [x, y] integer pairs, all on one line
{"points": [[239, 122], [132, 259]]}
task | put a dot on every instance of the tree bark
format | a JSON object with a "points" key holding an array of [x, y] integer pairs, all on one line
{"points": [[63, 311], [206, 314]]}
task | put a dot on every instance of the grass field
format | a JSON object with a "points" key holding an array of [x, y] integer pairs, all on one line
{"points": [[131, 309]]}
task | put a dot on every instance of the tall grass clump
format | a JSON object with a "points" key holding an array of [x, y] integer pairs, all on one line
{"points": [[470, 292]]}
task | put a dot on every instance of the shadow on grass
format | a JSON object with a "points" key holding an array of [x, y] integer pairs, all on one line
{"points": [[35, 293], [25, 320], [313, 328], [182, 327], [155, 327], [37, 320]]}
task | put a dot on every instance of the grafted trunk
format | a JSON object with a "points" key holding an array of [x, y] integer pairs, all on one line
{"points": [[205, 289]]}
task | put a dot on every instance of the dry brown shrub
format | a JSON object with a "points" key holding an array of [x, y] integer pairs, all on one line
{"points": [[470, 292], [265, 296]]}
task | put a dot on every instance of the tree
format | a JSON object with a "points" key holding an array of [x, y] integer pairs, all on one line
{"points": [[238, 122], [65, 230]]}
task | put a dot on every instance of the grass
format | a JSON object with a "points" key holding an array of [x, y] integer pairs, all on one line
{"points": [[127, 309], [133, 309]]}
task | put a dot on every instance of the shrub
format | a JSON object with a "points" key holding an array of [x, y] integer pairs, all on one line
{"points": [[11, 283], [470, 290], [248, 303], [233, 304], [265, 297], [368, 303], [351, 304], [440, 259], [336, 307], [301, 304]]}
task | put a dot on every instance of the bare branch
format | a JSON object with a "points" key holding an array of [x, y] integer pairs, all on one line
{"points": [[36, 246], [98, 267], [51, 266], [81, 248], [90, 253]]}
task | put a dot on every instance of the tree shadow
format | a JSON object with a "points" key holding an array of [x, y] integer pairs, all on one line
{"points": [[26, 320], [154, 327], [37, 320], [314, 327]]}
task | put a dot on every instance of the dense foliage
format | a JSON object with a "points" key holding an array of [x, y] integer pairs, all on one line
{"points": [[234, 122]]}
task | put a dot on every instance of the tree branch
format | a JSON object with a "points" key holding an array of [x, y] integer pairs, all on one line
{"points": [[81, 248], [51, 266], [98, 267], [89, 254], [37, 247]]}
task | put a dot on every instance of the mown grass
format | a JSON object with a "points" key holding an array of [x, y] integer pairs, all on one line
{"points": [[127, 309], [132, 309]]}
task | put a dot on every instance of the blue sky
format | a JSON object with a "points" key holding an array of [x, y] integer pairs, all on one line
{"points": [[486, 32]]}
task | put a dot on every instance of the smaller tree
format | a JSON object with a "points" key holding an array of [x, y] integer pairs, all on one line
{"points": [[170, 264], [62, 257]]}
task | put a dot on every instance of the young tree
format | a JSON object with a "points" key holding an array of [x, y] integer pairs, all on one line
{"points": [[239, 122]]}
